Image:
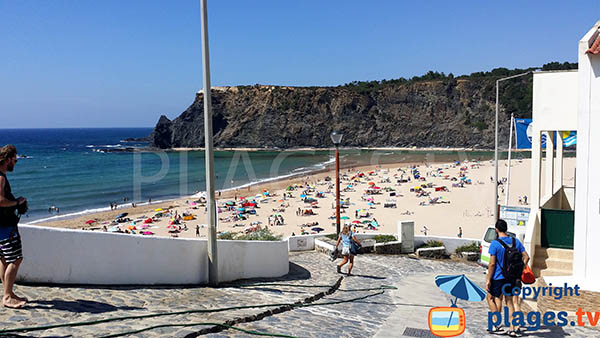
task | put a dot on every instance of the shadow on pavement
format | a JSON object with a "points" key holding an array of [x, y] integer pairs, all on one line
{"points": [[79, 305], [546, 331], [296, 273], [367, 276]]}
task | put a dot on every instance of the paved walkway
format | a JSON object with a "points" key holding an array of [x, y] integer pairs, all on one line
{"points": [[384, 313]]}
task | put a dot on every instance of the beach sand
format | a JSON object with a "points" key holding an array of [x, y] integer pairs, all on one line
{"points": [[469, 207]]}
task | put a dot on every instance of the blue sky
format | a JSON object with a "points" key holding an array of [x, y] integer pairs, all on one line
{"points": [[85, 63]]}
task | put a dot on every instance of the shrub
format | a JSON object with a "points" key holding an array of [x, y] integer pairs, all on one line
{"points": [[226, 236], [263, 234], [384, 238], [432, 244], [473, 247]]}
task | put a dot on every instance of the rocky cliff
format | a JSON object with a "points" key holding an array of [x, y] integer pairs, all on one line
{"points": [[454, 112]]}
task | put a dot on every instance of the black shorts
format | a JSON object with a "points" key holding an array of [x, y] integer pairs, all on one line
{"points": [[10, 249], [499, 284]]}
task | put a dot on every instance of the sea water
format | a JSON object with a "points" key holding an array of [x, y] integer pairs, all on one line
{"points": [[75, 171]]}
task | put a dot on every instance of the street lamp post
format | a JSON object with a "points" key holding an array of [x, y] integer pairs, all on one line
{"points": [[213, 273], [496, 142], [337, 139]]}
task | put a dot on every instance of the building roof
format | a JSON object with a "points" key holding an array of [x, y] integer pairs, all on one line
{"points": [[595, 48]]}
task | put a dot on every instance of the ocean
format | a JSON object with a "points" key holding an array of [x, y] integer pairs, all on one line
{"points": [[73, 169]]}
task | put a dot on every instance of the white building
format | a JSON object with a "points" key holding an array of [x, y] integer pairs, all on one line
{"points": [[564, 223], [587, 216]]}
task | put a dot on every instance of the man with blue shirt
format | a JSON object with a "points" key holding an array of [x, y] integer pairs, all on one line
{"points": [[496, 281]]}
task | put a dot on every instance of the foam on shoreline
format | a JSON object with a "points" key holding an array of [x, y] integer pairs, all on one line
{"points": [[304, 171]]}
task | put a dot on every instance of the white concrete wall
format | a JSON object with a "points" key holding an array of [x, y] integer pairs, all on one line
{"points": [[65, 256], [555, 98], [303, 242], [451, 243], [587, 199], [252, 259]]}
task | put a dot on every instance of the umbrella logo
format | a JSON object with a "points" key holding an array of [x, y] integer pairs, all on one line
{"points": [[451, 321]]}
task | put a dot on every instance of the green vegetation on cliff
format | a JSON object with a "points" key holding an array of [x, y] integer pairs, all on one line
{"points": [[433, 110]]}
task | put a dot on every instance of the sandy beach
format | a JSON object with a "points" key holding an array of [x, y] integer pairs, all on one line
{"points": [[441, 205]]}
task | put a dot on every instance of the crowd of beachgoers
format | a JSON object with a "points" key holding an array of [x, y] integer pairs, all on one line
{"points": [[444, 199]]}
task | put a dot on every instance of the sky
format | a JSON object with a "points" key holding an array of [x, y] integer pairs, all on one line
{"points": [[85, 63]]}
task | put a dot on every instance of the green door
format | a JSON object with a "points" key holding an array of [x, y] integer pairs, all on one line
{"points": [[558, 228]]}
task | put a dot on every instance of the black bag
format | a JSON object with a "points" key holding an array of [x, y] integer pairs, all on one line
{"points": [[8, 217], [512, 267]]}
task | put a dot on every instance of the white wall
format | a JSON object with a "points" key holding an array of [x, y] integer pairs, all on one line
{"points": [[65, 256], [555, 98], [62, 256], [587, 198], [252, 259], [451, 243], [303, 242]]}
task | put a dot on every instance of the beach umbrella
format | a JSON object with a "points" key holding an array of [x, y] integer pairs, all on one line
{"points": [[242, 198], [158, 209], [344, 217], [266, 193], [90, 221], [241, 209], [302, 196], [461, 287], [371, 183], [356, 222], [371, 203], [122, 215], [227, 203], [317, 229], [193, 203]]}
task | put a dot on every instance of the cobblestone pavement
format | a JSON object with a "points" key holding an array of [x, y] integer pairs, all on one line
{"points": [[384, 313]]}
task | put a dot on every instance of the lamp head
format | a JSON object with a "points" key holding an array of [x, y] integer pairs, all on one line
{"points": [[336, 137]]}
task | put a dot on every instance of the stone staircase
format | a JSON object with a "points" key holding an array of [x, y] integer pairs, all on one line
{"points": [[552, 262]]}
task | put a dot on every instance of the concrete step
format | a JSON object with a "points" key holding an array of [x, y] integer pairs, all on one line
{"points": [[554, 253], [551, 272], [553, 263], [529, 305]]}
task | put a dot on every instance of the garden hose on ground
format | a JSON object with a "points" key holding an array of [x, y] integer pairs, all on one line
{"points": [[217, 327], [221, 327], [198, 324]]}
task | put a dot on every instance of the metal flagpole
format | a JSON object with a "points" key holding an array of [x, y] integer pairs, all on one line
{"points": [[496, 207], [213, 274], [512, 121], [496, 157]]}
